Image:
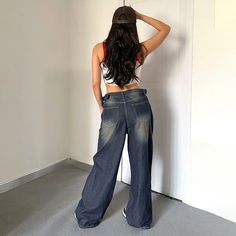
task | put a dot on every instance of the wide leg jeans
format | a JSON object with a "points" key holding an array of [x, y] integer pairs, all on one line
{"points": [[127, 112]]}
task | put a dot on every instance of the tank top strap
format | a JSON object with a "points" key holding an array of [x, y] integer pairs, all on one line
{"points": [[138, 57]]}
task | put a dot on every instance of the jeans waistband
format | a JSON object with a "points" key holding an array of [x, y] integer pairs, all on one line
{"points": [[130, 92]]}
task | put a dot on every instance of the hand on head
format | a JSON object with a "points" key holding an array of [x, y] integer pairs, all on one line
{"points": [[138, 15]]}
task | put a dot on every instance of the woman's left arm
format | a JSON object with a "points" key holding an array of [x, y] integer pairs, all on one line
{"points": [[96, 77]]}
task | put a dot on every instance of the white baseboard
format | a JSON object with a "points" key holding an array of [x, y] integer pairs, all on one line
{"points": [[29, 177]]}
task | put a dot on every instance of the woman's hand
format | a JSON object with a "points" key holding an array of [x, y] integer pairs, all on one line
{"points": [[138, 15], [101, 109]]}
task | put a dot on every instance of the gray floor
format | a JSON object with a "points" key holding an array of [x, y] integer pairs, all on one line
{"points": [[45, 207]]}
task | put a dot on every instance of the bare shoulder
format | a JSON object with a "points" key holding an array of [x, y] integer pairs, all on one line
{"points": [[98, 50], [96, 47]]}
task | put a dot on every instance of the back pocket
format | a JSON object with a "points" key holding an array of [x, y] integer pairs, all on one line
{"points": [[142, 110], [110, 115]]}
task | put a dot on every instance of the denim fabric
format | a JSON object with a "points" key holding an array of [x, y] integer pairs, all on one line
{"points": [[128, 112]]}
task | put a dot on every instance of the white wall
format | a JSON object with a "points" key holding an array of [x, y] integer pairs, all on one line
{"points": [[166, 74], [212, 176], [34, 47], [89, 25], [38, 107]]}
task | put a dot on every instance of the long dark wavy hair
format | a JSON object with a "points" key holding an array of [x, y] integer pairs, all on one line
{"points": [[122, 48]]}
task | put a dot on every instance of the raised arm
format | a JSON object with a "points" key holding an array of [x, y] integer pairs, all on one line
{"points": [[154, 42]]}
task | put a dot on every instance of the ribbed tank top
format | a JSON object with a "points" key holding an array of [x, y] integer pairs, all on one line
{"points": [[110, 81]]}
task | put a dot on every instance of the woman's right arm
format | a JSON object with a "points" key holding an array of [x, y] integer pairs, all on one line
{"points": [[154, 42]]}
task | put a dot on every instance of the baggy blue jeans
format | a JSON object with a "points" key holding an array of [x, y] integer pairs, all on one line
{"points": [[127, 112]]}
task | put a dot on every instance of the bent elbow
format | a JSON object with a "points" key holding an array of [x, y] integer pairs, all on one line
{"points": [[168, 28]]}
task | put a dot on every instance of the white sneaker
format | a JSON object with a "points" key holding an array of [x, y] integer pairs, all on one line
{"points": [[124, 212]]}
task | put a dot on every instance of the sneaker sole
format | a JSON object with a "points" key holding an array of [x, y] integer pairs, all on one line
{"points": [[75, 216], [123, 213]]}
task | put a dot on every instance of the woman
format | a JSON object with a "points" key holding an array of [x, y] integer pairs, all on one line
{"points": [[125, 109]]}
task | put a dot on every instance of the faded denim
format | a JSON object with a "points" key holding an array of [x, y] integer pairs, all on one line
{"points": [[128, 112]]}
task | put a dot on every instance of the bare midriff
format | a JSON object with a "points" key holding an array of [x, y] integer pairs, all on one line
{"points": [[112, 88]]}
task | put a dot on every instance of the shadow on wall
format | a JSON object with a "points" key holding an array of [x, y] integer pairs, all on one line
{"points": [[162, 89]]}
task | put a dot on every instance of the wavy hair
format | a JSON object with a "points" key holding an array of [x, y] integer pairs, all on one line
{"points": [[122, 48]]}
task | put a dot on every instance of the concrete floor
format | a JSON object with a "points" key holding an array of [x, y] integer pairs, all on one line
{"points": [[45, 206]]}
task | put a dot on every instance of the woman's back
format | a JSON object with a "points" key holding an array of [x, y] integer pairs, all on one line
{"points": [[110, 81]]}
